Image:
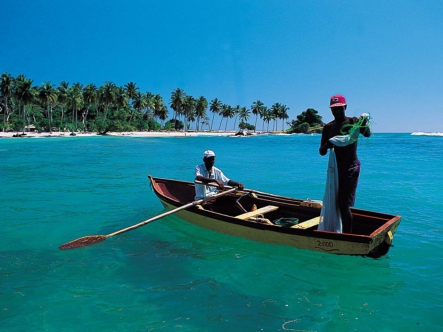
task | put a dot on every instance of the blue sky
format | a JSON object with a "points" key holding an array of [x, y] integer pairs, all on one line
{"points": [[386, 57]]}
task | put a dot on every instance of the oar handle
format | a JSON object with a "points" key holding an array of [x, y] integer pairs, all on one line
{"points": [[214, 184], [170, 212]]}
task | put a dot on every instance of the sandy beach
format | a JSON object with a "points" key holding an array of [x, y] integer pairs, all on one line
{"points": [[133, 134]]}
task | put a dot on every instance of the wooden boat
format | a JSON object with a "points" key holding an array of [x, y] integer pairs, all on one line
{"points": [[231, 214]]}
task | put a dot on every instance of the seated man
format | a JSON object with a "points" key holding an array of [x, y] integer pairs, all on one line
{"points": [[208, 173]]}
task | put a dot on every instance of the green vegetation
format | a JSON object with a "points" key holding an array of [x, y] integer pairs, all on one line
{"points": [[307, 122], [78, 108]]}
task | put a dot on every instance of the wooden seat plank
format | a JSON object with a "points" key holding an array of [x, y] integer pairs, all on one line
{"points": [[263, 210], [308, 223]]}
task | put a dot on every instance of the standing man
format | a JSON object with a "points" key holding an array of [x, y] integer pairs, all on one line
{"points": [[347, 161], [208, 173]]}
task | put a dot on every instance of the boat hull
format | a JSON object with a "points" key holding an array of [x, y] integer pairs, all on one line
{"points": [[321, 242], [375, 244]]}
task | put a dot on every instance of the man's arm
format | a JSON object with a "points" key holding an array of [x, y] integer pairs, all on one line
{"points": [[204, 179], [236, 184], [365, 130], [325, 144], [224, 180], [208, 180]]}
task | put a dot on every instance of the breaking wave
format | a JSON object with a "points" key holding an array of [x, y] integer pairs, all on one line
{"points": [[419, 133]]}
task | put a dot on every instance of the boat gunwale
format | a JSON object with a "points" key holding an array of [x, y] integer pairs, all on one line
{"points": [[357, 238]]}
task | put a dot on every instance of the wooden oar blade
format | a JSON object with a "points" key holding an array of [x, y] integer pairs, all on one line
{"points": [[91, 239], [83, 242]]}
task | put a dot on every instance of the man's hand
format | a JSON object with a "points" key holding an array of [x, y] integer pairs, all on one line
{"points": [[365, 118], [236, 184], [220, 184], [324, 148]]}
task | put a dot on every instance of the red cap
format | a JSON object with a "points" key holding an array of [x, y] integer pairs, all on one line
{"points": [[337, 100]]}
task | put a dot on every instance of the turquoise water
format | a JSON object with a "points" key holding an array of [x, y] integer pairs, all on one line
{"points": [[173, 276]]}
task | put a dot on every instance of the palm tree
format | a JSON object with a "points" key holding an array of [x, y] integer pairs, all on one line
{"points": [[157, 105], [121, 103], [189, 109], [25, 94], [200, 108], [236, 111], [16, 83], [222, 112], [228, 113], [275, 110], [215, 108], [243, 114], [268, 115], [48, 97], [62, 98], [283, 115], [6, 86], [177, 97], [75, 100], [121, 97], [107, 96], [149, 104], [190, 117], [264, 113], [138, 101], [257, 109], [205, 122], [131, 90], [90, 97], [163, 115]]}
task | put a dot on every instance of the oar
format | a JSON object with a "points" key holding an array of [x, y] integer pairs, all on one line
{"points": [[252, 191], [92, 239]]}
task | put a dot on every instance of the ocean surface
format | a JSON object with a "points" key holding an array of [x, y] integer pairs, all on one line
{"points": [[172, 276]]}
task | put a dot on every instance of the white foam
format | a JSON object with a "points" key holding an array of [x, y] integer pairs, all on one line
{"points": [[420, 133]]}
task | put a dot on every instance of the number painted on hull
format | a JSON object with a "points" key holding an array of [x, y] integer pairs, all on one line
{"points": [[327, 244]]}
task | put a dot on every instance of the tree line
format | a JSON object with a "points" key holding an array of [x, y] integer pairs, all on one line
{"points": [[89, 108]]}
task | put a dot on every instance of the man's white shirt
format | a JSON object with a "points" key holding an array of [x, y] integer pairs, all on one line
{"points": [[202, 191]]}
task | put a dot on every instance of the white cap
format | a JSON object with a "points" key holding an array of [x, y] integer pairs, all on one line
{"points": [[208, 154]]}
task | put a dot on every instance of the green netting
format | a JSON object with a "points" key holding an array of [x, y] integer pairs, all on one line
{"points": [[353, 130], [286, 222]]}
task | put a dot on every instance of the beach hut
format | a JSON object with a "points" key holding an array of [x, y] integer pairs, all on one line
{"points": [[30, 128]]}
